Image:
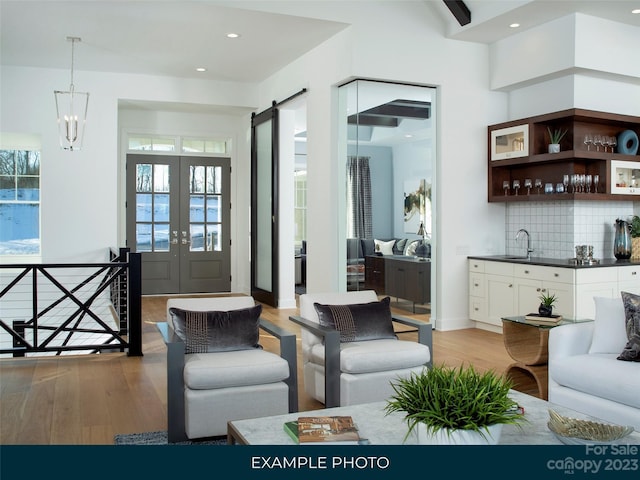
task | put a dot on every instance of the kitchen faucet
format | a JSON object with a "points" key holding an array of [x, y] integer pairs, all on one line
{"points": [[529, 249]]}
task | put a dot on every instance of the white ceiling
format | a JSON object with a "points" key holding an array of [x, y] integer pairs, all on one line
{"points": [[174, 37]]}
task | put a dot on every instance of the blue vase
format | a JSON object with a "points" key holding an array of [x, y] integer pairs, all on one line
{"points": [[622, 240]]}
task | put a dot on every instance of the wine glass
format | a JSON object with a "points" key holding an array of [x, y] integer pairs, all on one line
{"points": [[587, 180], [516, 186], [597, 141], [538, 184], [505, 185], [574, 182], [565, 182], [596, 180], [613, 141], [606, 141], [588, 140], [527, 185]]}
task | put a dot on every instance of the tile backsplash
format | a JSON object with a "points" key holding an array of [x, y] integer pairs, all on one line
{"points": [[557, 227]]}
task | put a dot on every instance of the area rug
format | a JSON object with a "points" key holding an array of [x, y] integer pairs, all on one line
{"points": [[161, 438]]}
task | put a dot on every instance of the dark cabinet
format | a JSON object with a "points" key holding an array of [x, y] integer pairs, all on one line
{"points": [[374, 273], [408, 278]]}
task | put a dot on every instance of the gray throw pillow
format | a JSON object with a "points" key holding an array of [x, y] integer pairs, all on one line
{"points": [[358, 321], [218, 331], [631, 352]]}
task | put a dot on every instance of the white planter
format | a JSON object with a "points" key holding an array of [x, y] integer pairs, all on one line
{"points": [[458, 437], [554, 148]]}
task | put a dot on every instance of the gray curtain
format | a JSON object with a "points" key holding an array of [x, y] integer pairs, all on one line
{"points": [[359, 222]]}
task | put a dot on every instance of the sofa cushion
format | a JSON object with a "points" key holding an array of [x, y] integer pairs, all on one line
{"points": [[217, 331], [366, 357], [398, 248], [609, 335], [600, 375], [383, 246], [358, 321], [204, 371], [631, 352]]}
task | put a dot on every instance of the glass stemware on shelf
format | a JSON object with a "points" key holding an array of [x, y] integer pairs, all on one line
{"points": [[516, 186], [505, 185], [527, 185], [613, 142], [588, 140], [596, 180], [587, 180], [597, 141], [538, 184], [565, 182]]}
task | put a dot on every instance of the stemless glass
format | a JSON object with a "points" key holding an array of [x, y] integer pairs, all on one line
{"points": [[505, 185], [588, 140], [516, 186], [527, 185], [538, 184]]}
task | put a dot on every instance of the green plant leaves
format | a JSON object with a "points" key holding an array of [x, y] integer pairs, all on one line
{"points": [[450, 398]]}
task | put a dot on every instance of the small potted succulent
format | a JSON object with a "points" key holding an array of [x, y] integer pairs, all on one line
{"points": [[454, 406], [555, 137], [546, 304]]}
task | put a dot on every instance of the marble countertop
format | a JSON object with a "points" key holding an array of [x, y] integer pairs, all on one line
{"points": [[554, 262]]}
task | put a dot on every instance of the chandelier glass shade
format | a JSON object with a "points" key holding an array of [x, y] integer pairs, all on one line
{"points": [[71, 111]]}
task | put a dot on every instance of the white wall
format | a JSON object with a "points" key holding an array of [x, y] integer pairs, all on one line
{"points": [[399, 44]]}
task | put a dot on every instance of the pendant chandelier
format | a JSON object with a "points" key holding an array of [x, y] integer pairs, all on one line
{"points": [[71, 108]]}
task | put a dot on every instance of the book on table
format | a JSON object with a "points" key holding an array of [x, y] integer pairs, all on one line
{"points": [[333, 429], [540, 320]]}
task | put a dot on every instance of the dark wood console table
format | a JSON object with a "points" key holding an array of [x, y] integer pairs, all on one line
{"points": [[399, 276]]}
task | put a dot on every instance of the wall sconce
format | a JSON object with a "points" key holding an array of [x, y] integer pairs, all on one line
{"points": [[71, 109]]}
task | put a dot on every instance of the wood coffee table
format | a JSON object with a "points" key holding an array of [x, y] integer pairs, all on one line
{"points": [[381, 429]]}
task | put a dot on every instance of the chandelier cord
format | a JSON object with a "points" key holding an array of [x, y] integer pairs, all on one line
{"points": [[73, 43]]}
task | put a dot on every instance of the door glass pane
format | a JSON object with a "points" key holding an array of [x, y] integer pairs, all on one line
{"points": [[196, 208], [197, 180], [161, 207], [161, 237], [214, 237], [264, 252], [213, 208], [143, 207], [214, 179], [161, 178], [143, 237], [143, 178], [197, 238]]}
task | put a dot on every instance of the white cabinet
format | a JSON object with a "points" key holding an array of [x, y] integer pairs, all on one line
{"points": [[500, 289], [629, 279]]}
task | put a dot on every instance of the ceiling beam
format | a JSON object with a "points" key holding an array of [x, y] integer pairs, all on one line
{"points": [[459, 10]]}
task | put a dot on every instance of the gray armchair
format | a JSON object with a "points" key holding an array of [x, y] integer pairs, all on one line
{"points": [[338, 373], [206, 390]]}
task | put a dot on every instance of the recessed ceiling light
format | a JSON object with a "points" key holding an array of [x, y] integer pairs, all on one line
{"points": [[233, 35], [514, 25], [201, 69], [635, 10]]}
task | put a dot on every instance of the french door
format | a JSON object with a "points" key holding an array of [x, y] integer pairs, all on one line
{"points": [[178, 211]]}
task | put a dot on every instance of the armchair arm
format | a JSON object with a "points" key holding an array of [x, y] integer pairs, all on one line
{"points": [[569, 340], [425, 333], [331, 339], [289, 353], [175, 382]]}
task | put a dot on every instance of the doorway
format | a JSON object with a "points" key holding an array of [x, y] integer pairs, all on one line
{"points": [[390, 159], [178, 218]]}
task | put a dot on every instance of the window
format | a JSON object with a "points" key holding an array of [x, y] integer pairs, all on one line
{"points": [[300, 207], [19, 202]]}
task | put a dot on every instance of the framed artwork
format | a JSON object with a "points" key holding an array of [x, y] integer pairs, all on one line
{"points": [[415, 192], [510, 142]]}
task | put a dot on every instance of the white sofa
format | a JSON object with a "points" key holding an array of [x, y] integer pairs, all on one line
{"points": [[584, 372]]}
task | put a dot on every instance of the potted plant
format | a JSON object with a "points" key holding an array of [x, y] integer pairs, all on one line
{"points": [[554, 139], [446, 405], [546, 304], [635, 238]]}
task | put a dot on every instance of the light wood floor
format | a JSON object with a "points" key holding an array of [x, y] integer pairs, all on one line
{"points": [[86, 400]]}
